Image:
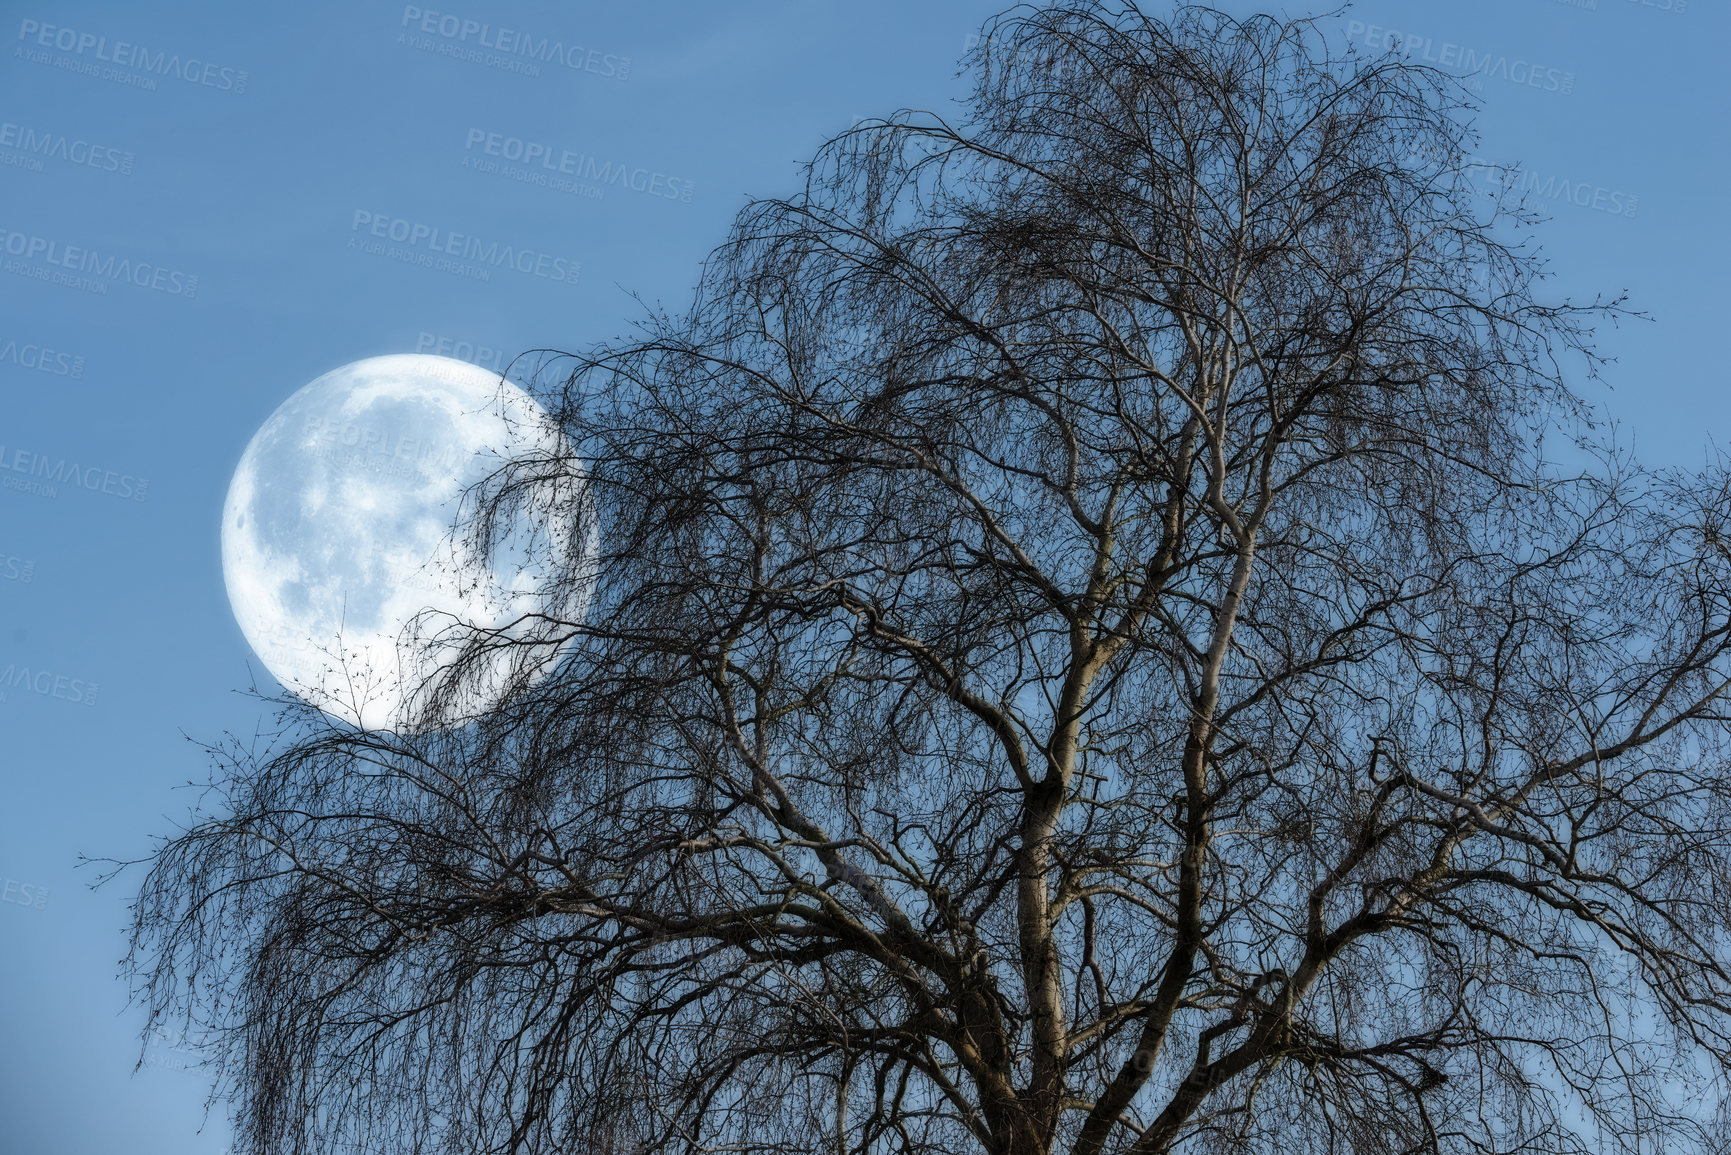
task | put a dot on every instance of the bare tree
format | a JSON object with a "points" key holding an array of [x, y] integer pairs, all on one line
{"points": [[1088, 654]]}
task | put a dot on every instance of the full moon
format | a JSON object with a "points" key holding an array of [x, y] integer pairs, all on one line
{"points": [[339, 543]]}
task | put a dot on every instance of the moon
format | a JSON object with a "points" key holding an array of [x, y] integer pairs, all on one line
{"points": [[340, 554]]}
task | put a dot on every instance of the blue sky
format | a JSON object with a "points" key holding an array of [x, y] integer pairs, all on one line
{"points": [[131, 142]]}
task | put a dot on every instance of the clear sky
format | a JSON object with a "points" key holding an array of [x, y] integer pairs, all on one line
{"points": [[255, 147]]}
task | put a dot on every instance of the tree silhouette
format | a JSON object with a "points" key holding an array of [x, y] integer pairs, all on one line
{"points": [[1087, 653]]}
